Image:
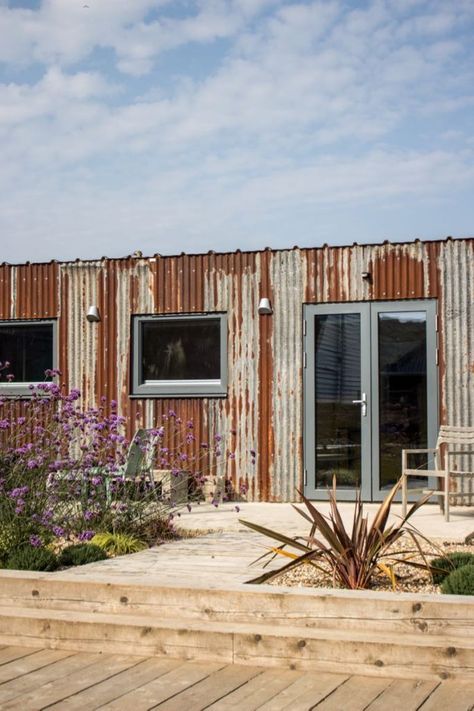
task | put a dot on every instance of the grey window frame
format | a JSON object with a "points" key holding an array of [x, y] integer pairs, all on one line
{"points": [[21, 388], [177, 388]]}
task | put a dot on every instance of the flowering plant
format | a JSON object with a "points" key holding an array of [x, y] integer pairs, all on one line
{"points": [[65, 471]]}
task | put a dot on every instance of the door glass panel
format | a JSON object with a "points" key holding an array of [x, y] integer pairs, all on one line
{"points": [[402, 391], [337, 384]]}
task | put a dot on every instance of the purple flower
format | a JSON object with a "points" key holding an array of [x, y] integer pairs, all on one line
{"points": [[36, 541], [86, 535], [58, 531]]}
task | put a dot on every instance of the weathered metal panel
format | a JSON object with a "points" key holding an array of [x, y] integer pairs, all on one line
{"points": [[457, 309], [288, 280], [232, 285]]}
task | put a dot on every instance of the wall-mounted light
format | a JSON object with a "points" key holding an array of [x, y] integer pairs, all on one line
{"points": [[265, 306], [366, 275], [93, 314]]}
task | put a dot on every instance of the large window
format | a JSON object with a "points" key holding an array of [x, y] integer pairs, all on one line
{"points": [[179, 356], [29, 349]]}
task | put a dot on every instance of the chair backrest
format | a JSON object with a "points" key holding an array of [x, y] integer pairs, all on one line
{"points": [[455, 436], [140, 453]]}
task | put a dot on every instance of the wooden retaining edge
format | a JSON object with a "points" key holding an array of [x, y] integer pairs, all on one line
{"points": [[394, 613], [354, 652]]}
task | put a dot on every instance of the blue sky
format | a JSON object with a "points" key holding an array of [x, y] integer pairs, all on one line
{"points": [[190, 125]]}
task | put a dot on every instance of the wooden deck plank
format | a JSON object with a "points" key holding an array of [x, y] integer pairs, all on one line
{"points": [[117, 686], [409, 694], [16, 687], [30, 663], [356, 694], [305, 692], [9, 653], [211, 689], [452, 695], [62, 688], [159, 690], [257, 691]]}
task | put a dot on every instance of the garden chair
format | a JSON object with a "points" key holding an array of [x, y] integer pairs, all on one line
{"points": [[140, 456], [452, 443]]}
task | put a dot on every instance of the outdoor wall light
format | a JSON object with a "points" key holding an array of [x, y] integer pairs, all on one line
{"points": [[93, 314], [366, 275], [265, 306]]}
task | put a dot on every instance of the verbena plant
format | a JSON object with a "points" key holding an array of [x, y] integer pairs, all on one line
{"points": [[61, 469], [349, 558]]}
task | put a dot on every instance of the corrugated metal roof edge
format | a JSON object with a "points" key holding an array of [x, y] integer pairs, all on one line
{"points": [[157, 255]]}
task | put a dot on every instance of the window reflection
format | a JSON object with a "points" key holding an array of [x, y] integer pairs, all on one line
{"points": [[337, 379], [184, 349], [402, 390]]}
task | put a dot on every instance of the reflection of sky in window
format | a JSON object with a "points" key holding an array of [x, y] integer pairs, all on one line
{"points": [[404, 317]]}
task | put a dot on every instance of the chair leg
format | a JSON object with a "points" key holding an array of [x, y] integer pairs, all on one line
{"points": [[404, 494], [446, 497]]}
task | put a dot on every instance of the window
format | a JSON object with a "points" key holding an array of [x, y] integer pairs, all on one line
{"points": [[177, 356], [29, 347]]}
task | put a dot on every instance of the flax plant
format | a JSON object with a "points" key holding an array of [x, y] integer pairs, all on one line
{"points": [[351, 558]]}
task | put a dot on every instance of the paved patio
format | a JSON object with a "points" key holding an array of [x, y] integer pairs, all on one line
{"points": [[283, 517], [226, 554], [36, 679]]}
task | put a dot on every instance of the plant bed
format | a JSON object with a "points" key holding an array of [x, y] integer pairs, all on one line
{"points": [[408, 580]]}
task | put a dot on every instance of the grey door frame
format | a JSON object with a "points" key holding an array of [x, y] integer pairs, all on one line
{"points": [[369, 312]]}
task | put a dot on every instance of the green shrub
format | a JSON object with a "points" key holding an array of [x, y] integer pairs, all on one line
{"points": [[31, 558], [459, 582], [118, 543], [448, 563], [81, 554]]}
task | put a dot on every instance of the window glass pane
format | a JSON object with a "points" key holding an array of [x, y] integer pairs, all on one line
{"points": [[29, 350], [402, 391], [181, 349], [338, 420]]}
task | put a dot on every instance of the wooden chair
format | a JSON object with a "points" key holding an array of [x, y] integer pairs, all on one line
{"points": [[452, 442]]}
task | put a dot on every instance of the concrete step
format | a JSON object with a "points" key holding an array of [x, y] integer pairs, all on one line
{"points": [[387, 613], [335, 650]]}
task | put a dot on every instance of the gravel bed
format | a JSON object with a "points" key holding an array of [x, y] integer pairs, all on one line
{"points": [[409, 579]]}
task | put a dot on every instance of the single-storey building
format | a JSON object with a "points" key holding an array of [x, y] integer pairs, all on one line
{"points": [[325, 360]]}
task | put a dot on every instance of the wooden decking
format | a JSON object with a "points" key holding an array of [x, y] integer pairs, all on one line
{"points": [[34, 679]]}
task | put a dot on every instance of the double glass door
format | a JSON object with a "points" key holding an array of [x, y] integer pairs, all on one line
{"points": [[370, 384]]}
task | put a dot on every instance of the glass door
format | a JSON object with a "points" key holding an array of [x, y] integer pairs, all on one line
{"points": [[404, 388], [337, 406], [370, 387]]}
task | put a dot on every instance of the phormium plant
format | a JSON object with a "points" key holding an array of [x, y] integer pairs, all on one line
{"points": [[349, 558]]}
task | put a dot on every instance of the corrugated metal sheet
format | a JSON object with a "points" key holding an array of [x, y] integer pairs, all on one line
{"points": [[264, 402]]}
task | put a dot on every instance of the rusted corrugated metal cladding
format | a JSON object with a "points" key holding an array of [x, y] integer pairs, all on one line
{"points": [[265, 400]]}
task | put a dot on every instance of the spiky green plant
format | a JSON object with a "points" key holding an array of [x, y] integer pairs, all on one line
{"points": [[30, 558], [81, 554], [350, 558], [118, 543], [459, 582], [445, 565]]}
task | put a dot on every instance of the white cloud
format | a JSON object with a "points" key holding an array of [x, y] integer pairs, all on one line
{"points": [[310, 105]]}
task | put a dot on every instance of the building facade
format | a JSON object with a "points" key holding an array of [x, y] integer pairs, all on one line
{"points": [[367, 349]]}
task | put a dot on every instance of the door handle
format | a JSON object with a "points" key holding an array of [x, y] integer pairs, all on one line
{"points": [[363, 403]]}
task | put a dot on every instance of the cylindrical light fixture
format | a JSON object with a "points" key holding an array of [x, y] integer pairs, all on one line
{"points": [[93, 314], [265, 306]]}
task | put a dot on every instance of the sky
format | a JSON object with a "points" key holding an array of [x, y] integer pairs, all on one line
{"points": [[172, 126]]}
